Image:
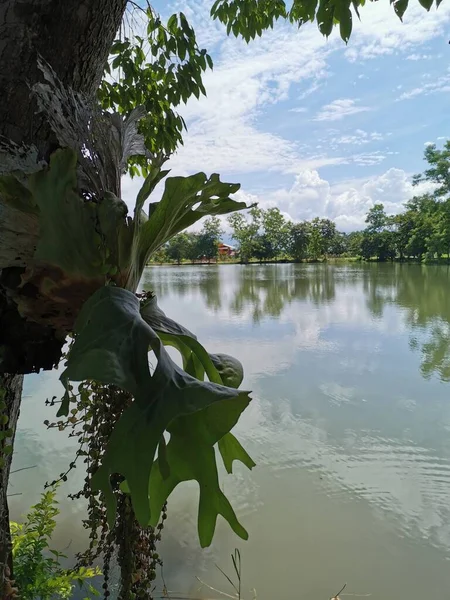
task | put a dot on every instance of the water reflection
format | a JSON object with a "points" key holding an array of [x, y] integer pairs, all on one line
{"points": [[349, 426], [265, 291]]}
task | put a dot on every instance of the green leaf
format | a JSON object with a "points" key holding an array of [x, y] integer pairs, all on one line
{"points": [[68, 237], [151, 181], [111, 346], [231, 449], [220, 368], [191, 456], [116, 230], [17, 195], [172, 23], [400, 7], [65, 405], [345, 25], [229, 369], [173, 334], [426, 3], [176, 211]]}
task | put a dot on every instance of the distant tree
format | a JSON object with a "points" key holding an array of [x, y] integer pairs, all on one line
{"points": [[246, 232], [212, 227], [354, 241], [160, 256], [379, 239], [193, 250], [263, 249], [177, 247], [404, 225], [438, 171], [376, 219], [315, 243], [209, 237], [338, 244], [328, 232], [275, 232], [299, 234]]}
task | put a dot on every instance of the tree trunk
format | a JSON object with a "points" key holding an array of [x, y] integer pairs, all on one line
{"points": [[74, 37], [10, 392]]}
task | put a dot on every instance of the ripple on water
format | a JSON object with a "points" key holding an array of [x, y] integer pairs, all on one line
{"points": [[410, 484]]}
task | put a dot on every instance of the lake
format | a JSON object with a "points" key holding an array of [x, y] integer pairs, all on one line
{"points": [[349, 427]]}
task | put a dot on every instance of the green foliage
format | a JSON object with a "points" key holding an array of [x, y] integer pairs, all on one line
{"points": [[37, 569], [191, 455], [276, 231], [376, 219], [68, 225], [178, 247], [438, 171], [175, 212], [112, 339], [250, 18], [246, 232], [208, 239], [299, 240], [316, 244], [158, 72]]}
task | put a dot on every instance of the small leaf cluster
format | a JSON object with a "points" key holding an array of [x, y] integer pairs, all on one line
{"points": [[37, 569], [250, 18], [158, 71]]}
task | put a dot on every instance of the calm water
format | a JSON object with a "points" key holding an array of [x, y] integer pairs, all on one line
{"points": [[349, 426]]}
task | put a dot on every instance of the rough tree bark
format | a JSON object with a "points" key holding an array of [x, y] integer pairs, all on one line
{"points": [[12, 386], [74, 37]]}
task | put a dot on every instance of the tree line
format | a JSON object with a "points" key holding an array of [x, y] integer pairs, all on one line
{"points": [[421, 231]]}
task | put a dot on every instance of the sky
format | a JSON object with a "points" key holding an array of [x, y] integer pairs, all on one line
{"points": [[313, 126]]}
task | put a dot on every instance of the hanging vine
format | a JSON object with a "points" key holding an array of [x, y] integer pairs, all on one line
{"points": [[95, 410]]}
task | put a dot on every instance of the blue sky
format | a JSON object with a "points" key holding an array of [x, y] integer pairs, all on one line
{"points": [[315, 127]]}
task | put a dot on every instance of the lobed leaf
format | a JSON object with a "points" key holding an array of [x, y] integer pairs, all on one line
{"points": [[185, 200], [111, 346], [191, 456]]}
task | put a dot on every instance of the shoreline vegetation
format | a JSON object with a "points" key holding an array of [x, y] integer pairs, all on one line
{"points": [[420, 234], [443, 261]]}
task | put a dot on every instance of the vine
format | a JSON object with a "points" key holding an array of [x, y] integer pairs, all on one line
{"points": [[95, 409]]}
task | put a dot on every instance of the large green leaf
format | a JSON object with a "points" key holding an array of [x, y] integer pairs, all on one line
{"points": [[190, 455], [175, 211], [173, 334], [220, 368], [116, 230], [68, 237], [111, 346]]}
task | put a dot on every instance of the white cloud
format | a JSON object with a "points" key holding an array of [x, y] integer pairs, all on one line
{"points": [[381, 33], [338, 109], [231, 130], [357, 138], [346, 202], [416, 57], [224, 131], [441, 84]]}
